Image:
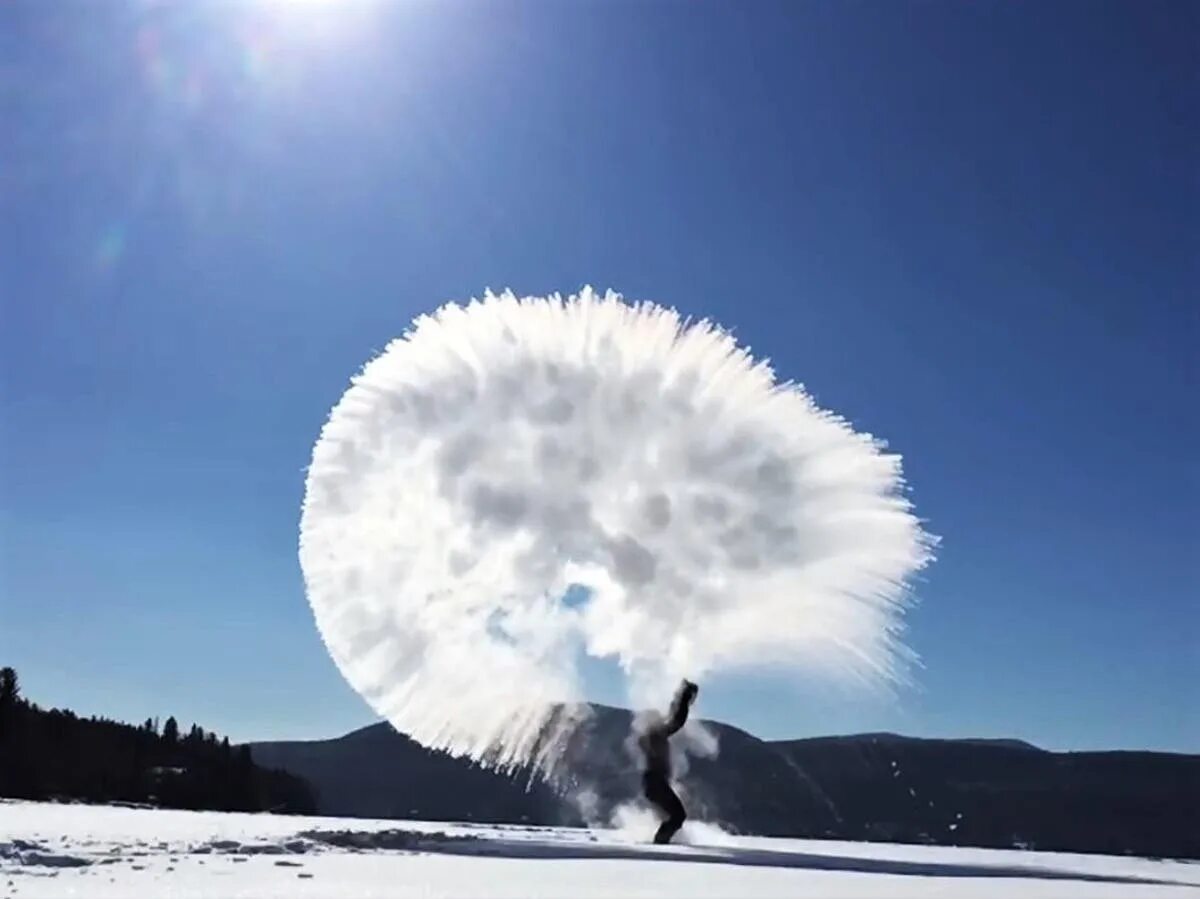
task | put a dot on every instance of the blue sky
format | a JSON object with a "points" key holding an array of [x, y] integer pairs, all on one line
{"points": [[970, 228]]}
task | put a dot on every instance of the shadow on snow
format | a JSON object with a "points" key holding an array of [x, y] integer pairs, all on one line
{"points": [[488, 847]]}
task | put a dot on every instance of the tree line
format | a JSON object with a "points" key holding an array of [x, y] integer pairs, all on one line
{"points": [[55, 754]]}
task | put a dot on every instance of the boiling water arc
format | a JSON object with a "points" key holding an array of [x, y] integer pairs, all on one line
{"points": [[518, 483]]}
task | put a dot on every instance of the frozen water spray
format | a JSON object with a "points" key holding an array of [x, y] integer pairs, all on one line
{"points": [[518, 482]]}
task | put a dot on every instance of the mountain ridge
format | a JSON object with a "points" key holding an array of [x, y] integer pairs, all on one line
{"points": [[968, 791]]}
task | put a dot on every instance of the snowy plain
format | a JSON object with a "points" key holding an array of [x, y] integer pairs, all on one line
{"points": [[49, 850]]}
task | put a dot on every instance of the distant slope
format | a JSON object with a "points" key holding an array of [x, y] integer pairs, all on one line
{"points": [[376, 772], [870, 786], [998, 794]]}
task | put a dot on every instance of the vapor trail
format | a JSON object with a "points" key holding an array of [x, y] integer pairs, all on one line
{"points": [[499, 454]]}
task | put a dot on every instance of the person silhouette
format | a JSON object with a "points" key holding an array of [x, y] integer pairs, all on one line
{"points": [[654, 743]]}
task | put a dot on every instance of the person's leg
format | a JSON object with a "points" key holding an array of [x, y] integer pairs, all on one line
{"points": [[655, 788], [666, 800], [652, 788]]}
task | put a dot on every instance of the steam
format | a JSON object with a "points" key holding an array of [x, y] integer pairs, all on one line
{"points": [[521, 481]]}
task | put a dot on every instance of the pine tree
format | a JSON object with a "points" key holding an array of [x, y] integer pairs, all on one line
{"points": [[170, 732], [10, 688], [11, 733]]}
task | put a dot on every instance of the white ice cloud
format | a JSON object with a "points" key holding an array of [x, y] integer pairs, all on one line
{"points": [[499, 453]]}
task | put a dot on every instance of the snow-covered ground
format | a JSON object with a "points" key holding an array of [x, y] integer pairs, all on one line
{"points": [[78, 850]]}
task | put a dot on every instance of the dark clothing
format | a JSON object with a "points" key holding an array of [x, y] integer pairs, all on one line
{"points": [[656, 751], [658, 790], [654, 741]]}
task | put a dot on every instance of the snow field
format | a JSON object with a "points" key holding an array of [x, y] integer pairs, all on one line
{"points": [[51, 850]]}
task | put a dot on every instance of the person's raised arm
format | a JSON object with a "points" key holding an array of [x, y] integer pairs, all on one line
{"points": [[681, 705]]}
